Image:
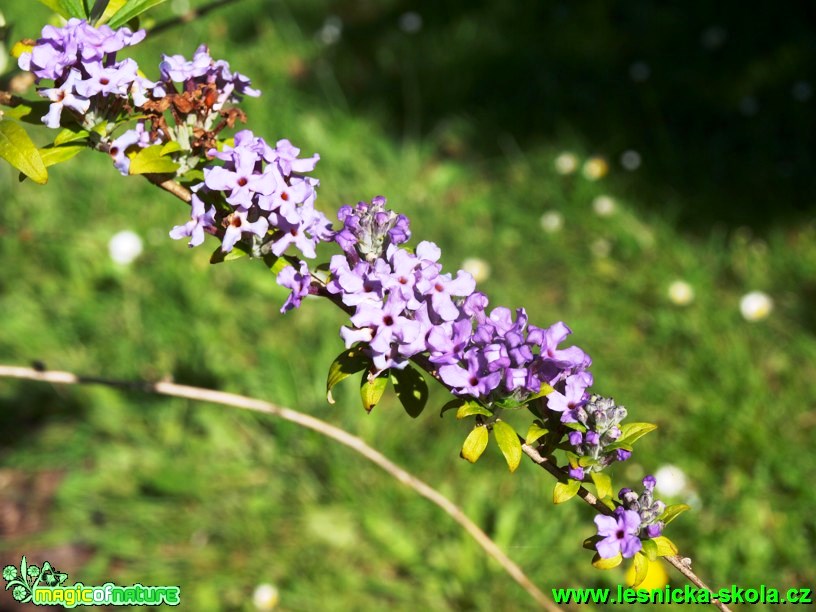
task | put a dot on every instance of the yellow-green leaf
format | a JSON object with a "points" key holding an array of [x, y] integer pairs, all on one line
{"points": [[641, 569], [347, 363], [603, 484], [57, 155], [565, 491], [534, 433], [151, 160], [475, 443], [605, 564], [238, 251], [470, 408], [508, 443], [170, 147], [672, 512], [371, 390], [544, 390], [411, 389], [68, 135], [17, 148], [451, 405], [67, 8], [665, 547], [649, 548], [132, 9]]}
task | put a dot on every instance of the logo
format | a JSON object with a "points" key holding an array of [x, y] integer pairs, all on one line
{"points": [[45, 586]]}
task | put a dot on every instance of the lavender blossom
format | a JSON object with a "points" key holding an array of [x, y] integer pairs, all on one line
{"points": [[619, 534]]}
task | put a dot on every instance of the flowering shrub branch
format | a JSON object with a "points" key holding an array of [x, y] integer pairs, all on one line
{"points": [[406, 314]]}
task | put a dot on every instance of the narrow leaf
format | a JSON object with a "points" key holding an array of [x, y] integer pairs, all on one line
{"points": [[68, 135], [470, 408], [151, 161], [508, 443], [371, 390], [565, 492], [411, 389], [672, 512], [56, 6], [534, 433], [347, 363], [605, 564], [631, 432], [475, 443], [665, 547], [603, 484], [67, 8], [17, 149], [57, 155], [132, 9], [641, 569], [111, 9]]}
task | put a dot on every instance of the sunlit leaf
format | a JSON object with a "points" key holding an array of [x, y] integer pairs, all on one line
{"points": [[649, 549], [641, 569], [411, 389], [672, 512], [68, 135], [452, 405], [470, 408], [371, 390], [67, 8], [17, 148], [509, 443], [347, 363], [665, 547], [111, 9], [605, 564], [565, 491], [475, 443], [239, 251], [603, 484], [56, 155], [151, 160], [534, 432], [132, 9]]}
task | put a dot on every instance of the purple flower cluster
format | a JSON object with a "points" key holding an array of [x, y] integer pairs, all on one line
{"points": [[598, 419], [262, 195], [81, 60], [647, 507], [404, 306], [635, 518]]}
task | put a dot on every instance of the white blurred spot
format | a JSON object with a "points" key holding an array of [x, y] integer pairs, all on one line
{"points": [[713, 37], [595, 168], [671, 481], [124, 247], [756, 306], [479, 269], [331, 31], [552, 221], [749, 106], [630, 160], [801, 91], [265, 597], [410, 22], [566, 163], [604, 206], [639, 72], [681, 293]]}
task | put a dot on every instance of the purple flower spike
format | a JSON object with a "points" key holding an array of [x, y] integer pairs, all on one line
{"points": [[619, 534]]}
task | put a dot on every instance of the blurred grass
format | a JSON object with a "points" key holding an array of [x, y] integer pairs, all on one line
{"points": [[168, 492]]}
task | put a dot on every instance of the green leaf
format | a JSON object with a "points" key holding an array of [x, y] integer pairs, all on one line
{"points": [[347, 363], [591, 542], [57, 155], [534, 433], [470, 408], [665, 547], [275, 263], [151, 160], [649, 549], [565, 491], [17, 149], [544, 390], [454, 403], [672, 512], [508, 443], [132, 9], [475, 443], [111, 9], [603, 484], [641, 569], [68, 135], [631, 432], [67, 8], [170, 147], [411, 389], [371, 390], [238, 251], [605, 564]]}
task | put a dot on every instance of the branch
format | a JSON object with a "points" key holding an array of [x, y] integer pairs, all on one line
{"points": [[309, 422], [676, 561]]}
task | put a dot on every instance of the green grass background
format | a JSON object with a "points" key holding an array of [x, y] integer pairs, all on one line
{"points": [[174, 492]]}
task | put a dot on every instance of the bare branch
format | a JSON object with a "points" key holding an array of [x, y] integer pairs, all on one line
{"points": [[309, 422]]}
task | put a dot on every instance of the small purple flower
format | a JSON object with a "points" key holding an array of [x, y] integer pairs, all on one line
{"points": [[576, 473], [64, 96], [298, 281], [476, 380], [237, 224], [619, 534], [203, 220]]}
